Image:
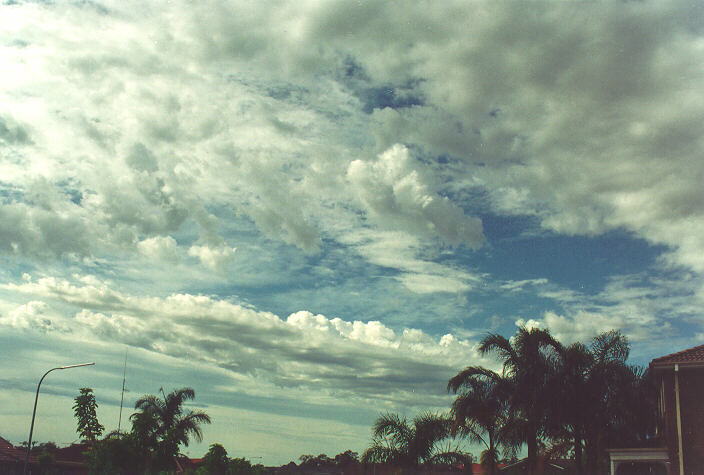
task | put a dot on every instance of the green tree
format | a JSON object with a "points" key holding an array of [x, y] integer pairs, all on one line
{"points": [[242, 466], [396, 441], [481, 411], [346, 458], [215, 461], [84, 408], [528, 364], [115, 454], [161, 425], [309, 461]]}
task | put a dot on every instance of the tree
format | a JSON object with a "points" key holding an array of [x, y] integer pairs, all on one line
{"points": [[396, 441], [84, 409], [216, 462], [594, 392], [161, 425], [242, 466], [481, 411], [347, 457], [599, 399], [115, 454], [527, 366], [309, 461]]}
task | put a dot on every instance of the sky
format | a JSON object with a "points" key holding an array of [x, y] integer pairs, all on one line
{"points": [[311, 212]]}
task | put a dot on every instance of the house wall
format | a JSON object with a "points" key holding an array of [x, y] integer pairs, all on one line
{"points": [[691, 382], [692, 410], [667, 425]]}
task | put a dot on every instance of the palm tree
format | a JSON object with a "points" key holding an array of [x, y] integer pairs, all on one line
{"points": [[528, 359], [395, 441], [599, 399], [162, 425], [481, 411], [586, 383]]}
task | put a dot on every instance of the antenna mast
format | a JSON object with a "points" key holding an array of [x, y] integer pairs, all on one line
{"points": [[122, 397]]}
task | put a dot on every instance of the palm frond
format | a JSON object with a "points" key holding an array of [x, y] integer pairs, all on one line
{"points": [[495, 343], [465, 377]]}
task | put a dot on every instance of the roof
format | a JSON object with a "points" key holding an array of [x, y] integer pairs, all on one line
{"points": [[72, 453], [685, 357], [4, 444], [11, 454], [478, 469]]}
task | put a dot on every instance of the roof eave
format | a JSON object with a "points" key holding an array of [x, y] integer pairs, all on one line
{"points": [[681, 364]]}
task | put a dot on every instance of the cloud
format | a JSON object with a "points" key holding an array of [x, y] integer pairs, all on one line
{"points": [[397, 197], [35, 315], [399, 251], [159, 248], [213, 258], [572, 122], [363, 360], [37, 232]]}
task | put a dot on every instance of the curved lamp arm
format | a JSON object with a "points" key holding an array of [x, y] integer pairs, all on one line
{"points": [[34, 412]]}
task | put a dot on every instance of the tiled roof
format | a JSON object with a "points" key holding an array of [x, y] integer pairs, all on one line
{"points": [[692, 355], [11, 454], [4, 444]]}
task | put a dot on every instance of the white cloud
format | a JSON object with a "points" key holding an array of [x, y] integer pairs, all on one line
{"points": [[353, 358], [35, 315], [397, 197], [159, 248], [399, 251], [213, 258]]}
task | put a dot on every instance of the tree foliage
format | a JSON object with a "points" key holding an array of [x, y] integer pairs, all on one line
{"points": [[527, 360], [84, 408], [558, 400], [599, 399], [161, 425], [481, 412], [115, 454], [216, 462], [396, 441]]}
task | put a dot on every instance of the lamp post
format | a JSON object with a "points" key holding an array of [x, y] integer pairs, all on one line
{"points": [[34, 412]]}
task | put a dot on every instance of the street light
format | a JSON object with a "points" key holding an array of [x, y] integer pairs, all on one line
{"points": [[34, 412]]}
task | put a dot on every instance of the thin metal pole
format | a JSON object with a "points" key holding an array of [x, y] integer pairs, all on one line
{"points": [[34, 412], [122, 396]]}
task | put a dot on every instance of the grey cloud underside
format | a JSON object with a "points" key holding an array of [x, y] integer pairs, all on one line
{"points": [[312, 352]]}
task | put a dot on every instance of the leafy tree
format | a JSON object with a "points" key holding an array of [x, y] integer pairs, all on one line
{"points": [[84, 409], [242, 466], [481, 411], [309, 461], [346, 458], [396, 441], [161, 425], [216, 461], [38, 448], [46, 459], [115, 454], [527, 367]]}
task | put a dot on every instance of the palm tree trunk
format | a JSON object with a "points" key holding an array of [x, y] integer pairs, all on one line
{"points": [[492, 465], [532, 443], [578, 451]]}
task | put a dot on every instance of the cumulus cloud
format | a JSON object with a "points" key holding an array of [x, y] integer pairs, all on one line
{"points": [[354, 358], [397, 197], [35, 315], [159, 248], [213, 258]]}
